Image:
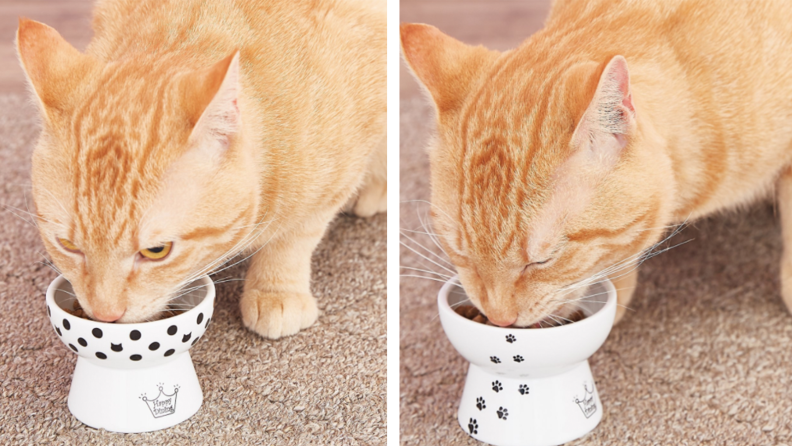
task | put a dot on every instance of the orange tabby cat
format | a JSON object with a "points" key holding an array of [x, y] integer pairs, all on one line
{"points": [[189, 131], [559, 162]]}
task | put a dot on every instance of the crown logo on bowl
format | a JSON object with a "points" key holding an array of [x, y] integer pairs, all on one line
{"points": [[587, 403], [164, 404]]}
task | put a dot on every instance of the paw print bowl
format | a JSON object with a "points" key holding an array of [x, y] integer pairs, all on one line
{"points": [[133, 377], [529, 387]]}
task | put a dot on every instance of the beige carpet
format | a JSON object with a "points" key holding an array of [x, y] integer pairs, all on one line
{"points": [[704, 358], [326, 385]]}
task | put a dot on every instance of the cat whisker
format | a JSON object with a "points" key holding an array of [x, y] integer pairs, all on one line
{"points": [[629, 264], [429, 251], [51, 266], [185, 291], [227, 256], [453, 306], [426, 271], [11, 210], [562, 318], [238, 247], [556, 319], [248, 240], [426, 258], [35, 216], [63, 208], [666, 227], [60, 290], [424, 247], [431, 234], [587, 296], [251, 255], [428, 278], [215, 282], [416, 232], [431, 205], [461, 302]]}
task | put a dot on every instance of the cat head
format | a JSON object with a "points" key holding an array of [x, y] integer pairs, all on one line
{"points": [[141, 176], [530, 170]]}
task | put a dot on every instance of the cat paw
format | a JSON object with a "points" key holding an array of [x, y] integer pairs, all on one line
{"points": [[370, 200], [273, 315]]}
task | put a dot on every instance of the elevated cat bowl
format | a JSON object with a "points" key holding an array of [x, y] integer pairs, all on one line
{"points": [[133, 377], [529, 387]]}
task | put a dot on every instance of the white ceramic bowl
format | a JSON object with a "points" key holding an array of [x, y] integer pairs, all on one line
{"points": [[133, 377], [529, 387]]}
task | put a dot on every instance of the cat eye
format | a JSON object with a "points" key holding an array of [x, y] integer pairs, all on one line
{"points": [[157, 252], [68, 245], [535, 264]]}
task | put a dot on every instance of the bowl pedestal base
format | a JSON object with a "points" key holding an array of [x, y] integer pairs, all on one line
{"points": [[137, 399], [514, 410]]}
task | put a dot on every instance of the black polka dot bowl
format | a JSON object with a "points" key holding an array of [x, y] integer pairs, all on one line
{"points": [[133, 377], [529, 386]]}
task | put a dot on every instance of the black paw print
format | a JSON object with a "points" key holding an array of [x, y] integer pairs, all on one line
{"points": [[496, 386], [510, 339], [473, 426], [480, 403], [523, 389], [503, 413], [495, 359], [518, 358]]}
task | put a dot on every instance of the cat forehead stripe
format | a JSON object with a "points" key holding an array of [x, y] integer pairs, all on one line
{"points": [[119, 157]]}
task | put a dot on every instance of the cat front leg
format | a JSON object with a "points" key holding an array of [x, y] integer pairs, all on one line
{"points": [[625, 288], [277, 299], [784, 188], [372, 194]]}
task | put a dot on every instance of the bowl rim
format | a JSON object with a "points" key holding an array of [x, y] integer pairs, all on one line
{"points": [[442, 303], [53, 286]]}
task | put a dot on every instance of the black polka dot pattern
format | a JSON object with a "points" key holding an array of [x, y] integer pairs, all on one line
{"points": [[104, 343]]}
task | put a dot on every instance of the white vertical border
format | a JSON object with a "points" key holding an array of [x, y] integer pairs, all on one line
{"points": [[393, 223]]}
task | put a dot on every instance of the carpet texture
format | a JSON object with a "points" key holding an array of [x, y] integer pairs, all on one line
{"points": [[325, 385], [704, 357]]}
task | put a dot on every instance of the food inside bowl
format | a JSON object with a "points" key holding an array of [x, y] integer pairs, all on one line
{"points": [[76, 310], [472, 313]]}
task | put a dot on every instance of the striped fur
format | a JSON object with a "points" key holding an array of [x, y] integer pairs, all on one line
{"points": [[223, 127], [584, 144]]}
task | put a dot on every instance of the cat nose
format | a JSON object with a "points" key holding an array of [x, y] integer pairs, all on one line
{"points": [[503, 322], [111, 315]]}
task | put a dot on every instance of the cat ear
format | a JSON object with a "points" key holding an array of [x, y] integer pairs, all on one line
{"points": [[445, 66], [610, 117], [53, 67], [211, 101]]}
